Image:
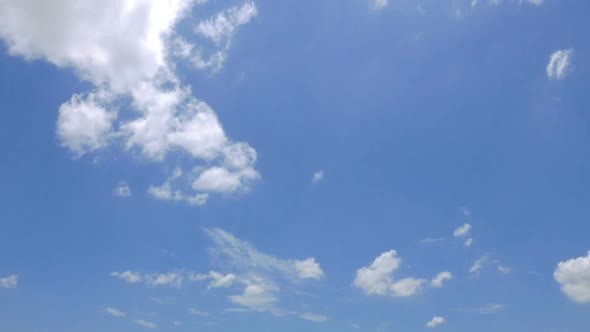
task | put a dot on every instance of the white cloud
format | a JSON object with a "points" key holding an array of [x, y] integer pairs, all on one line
{"points": [[197, 312], [9, 282], [380, 4], [145, 323], [559, 62], [377, 279], [165, 192], [122, 190], [489, 309], [573, 275], [504, 269], [217, 279], [309, 269], [220, 179], [84, 124], [114, 312], [243, 257], [436, 321], [220, 29], [173, 279], [478, 265], [224, 24], [462, 231], [407, 287], [314, 317], [317, 176], [468, 242], [438, 281], [257, 298], [164, 279], [128, 276], [177, 323], [137, 102], [535, 2]]}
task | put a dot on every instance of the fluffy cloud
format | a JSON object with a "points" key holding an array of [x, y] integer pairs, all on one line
{"points": [[84, 124], [317, 176], [377, 279], [573, 275], [9, 282], [462, 231], [438, 281], [257, 298], [114, 312], [146, 324], [559, 62], [137, 102], [468, 242], [308, 269], [436, 321]]}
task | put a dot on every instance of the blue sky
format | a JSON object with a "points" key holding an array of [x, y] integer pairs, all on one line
{"points": [[260, 165]]}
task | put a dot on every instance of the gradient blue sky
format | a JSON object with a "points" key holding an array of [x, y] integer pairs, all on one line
{"points": [[365, 127]]}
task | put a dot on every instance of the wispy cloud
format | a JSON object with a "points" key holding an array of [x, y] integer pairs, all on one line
{"points": [[114, 312], [559, 63], [489, 309], [243, 257], [462, 231], [9, 282], [314, 317], [317, 176], [479, 264], [122, 190], [145, 323], [174, 279]]}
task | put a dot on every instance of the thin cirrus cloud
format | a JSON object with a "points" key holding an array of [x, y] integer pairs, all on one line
{"points": [[573, 276], [262, 275], [379, 4], [137, 102], [478, 265], [559, 64], [114, 312], [489, 309], [172, 279], [145, 323]]}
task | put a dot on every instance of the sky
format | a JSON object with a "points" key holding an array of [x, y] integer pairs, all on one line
{"points": [[256, 165]]}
